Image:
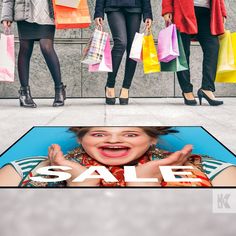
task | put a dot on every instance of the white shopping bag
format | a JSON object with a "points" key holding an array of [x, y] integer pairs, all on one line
{"points": [[7, 58], [136, 48]]}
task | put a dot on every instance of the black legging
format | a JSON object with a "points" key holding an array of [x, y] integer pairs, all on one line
{"points": [[46, 46], [123, 27]]}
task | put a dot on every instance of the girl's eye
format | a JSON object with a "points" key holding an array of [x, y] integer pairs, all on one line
{"points": [[131, 135], [98, 135]]}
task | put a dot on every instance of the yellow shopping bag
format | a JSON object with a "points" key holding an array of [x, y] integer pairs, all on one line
{"points": [[151, 63], [226, 69]]}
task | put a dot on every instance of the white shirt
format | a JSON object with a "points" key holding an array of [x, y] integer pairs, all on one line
{"points": [[202, 3]]}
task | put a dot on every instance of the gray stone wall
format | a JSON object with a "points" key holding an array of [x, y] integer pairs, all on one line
{"points": [[81, 83]]}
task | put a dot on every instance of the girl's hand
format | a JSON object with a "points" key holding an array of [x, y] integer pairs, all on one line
{"points": [[148, 23], [6, 24], [99, 21], [57, 158], [152, 170], [168, 18]]}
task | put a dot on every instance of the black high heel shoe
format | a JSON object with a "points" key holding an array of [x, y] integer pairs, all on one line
{"points": [[109, 101], [60, 96], [189, 102], [123, 101], [211, 102], [25, 98]]}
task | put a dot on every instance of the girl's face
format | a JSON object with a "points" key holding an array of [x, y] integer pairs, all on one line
{"points": [[116, 145]]}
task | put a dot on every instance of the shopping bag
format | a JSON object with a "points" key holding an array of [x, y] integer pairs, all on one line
{"points": [[150, 59], [70, 18], [168, 48], [226, 61], [136, 48], [93, 52], [68, 3], [106, 63], [178, 64], [7, 58], [230, 75]]}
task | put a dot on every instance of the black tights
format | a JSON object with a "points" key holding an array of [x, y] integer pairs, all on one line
{"points": [[50, 56]]}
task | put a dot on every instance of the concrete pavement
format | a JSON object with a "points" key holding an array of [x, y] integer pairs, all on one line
{"points": [[219, 121]]}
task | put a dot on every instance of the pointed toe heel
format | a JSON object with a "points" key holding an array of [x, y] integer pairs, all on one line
{"points": [[109, 100], [211, 102], [124, 101], [189, 102]]}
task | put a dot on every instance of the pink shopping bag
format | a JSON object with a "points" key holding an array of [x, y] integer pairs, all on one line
{"points": [[106, 64], [7, 58], [168, 48], [136, 48]]}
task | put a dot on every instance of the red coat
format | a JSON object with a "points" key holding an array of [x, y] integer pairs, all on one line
{"points": [[185, 19]]}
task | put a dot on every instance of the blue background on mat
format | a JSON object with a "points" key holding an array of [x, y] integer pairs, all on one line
{"points": [[37, 141]]}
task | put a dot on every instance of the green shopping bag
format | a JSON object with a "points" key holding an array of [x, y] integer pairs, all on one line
{"points": [[178, 64]]}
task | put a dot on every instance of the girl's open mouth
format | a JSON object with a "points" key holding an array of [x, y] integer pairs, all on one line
{"points": [[114, 151]]}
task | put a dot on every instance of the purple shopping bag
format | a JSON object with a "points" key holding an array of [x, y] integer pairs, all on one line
{"points": [[7, 58], [106, 64], [168, 48]]}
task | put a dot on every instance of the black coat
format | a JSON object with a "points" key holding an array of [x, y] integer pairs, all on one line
{"points": [[144, 4]]}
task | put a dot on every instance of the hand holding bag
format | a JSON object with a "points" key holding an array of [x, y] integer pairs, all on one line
{"points": [[106, 63], [168, 48], [150, 59], [7, 58]]}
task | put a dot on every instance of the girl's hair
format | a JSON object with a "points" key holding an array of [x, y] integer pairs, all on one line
{"points": [[151, 131]]}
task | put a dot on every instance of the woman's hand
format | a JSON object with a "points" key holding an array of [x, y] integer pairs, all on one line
{"points": [[6, 24], [148, 23], [99, 21], [57, 158], [152, 170], [168, 18]]}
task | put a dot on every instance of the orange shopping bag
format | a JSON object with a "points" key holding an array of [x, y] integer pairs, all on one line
{"points": [[72, 18]]}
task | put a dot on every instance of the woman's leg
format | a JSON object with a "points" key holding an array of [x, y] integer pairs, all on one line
{"points": [[133, 21], [51, 59], [25, 52], [210, 47], [117, 25]]}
